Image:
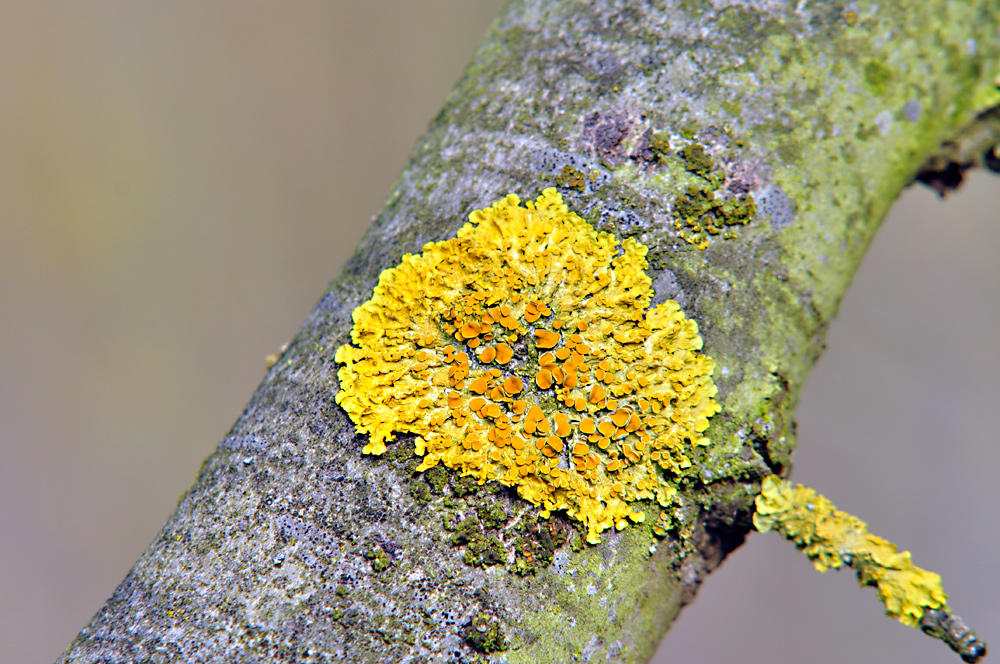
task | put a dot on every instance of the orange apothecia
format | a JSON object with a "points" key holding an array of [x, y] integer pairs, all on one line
{"points": [[523, 351]]}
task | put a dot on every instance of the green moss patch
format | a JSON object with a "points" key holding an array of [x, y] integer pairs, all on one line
{"points": [[485, 634]]}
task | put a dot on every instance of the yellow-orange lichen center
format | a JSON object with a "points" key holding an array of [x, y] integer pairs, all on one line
{"points": [[522, 351]]}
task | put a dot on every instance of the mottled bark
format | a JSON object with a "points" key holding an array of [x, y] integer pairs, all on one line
{"points": [[658, 121]]}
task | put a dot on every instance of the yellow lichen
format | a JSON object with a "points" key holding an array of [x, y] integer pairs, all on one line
{"points": [[832, 538], [522, 351]]}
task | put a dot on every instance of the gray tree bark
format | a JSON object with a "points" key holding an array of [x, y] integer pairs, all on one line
{"points": [[656, 121]]}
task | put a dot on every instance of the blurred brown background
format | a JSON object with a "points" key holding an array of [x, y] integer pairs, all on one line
{"points": [[178, 182]]}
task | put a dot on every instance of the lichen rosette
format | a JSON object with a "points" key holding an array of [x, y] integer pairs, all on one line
{"points": [[524, 351]]}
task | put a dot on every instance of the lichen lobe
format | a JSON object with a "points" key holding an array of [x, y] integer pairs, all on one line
{"points": [[522, 351]]}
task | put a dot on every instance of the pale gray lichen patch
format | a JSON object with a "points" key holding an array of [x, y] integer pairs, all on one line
{"points": [[884, 122], [773, 203], [665, 287]]}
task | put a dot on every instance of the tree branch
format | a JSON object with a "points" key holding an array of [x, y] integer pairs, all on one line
{"points": [[752, 150]]}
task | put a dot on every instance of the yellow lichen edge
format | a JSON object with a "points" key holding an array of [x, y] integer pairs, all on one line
{"points": [[522, 351], [832, 538]]}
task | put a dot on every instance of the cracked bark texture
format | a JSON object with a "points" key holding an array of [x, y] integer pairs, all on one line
{"points": [[292, 546]]}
